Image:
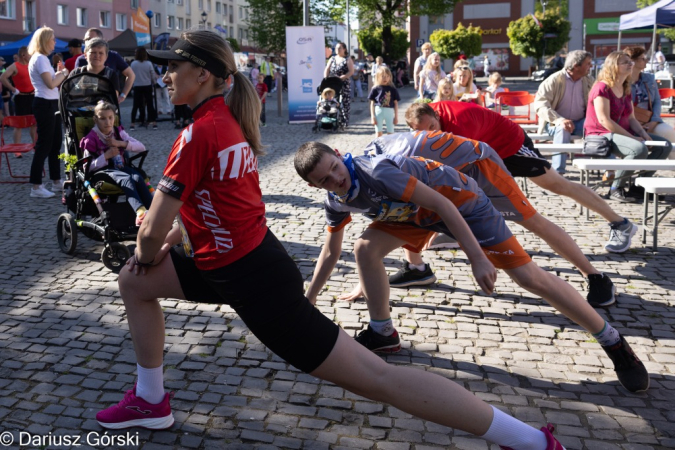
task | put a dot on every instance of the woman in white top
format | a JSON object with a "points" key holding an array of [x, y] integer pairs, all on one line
{"points": [[430, 75], [465, 89], [46, 103]]}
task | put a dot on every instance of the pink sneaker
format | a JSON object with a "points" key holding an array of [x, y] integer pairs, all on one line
{"points": [[133, 411], [552, 443]]}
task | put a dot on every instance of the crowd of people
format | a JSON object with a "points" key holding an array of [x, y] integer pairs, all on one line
{"points": [[451, 175]]}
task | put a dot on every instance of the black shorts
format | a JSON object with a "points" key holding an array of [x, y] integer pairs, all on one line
{"points": [[265, 288], [527, 162], [23, 104]]}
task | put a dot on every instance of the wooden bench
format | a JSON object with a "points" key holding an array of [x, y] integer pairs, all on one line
{"points": [[585, 165], [655, 186]]}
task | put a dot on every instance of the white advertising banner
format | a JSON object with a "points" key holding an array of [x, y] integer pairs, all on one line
{"points": [[306, 60]]}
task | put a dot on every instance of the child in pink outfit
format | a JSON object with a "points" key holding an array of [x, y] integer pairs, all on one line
{"points": [[106, 144]]}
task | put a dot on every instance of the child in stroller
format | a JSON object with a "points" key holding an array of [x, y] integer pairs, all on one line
{"points": [[327, 109], [107, 143]]}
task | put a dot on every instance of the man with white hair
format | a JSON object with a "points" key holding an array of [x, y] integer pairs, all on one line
{"points": [[561, 102]]}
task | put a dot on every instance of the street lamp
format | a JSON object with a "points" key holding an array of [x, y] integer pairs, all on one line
{"points": [[203, 21], [149, 13], [543, 16]]}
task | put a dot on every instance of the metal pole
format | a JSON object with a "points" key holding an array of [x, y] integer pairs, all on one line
{"points": [[349, 35], [618, 43], [583, 41], [651, 52], [305, 13]]}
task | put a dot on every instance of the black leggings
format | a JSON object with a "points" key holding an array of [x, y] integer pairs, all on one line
{"points": [[265, 289], [48, 143], [143, 99]]}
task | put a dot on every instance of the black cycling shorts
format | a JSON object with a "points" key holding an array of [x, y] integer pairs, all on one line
{"points": [[527, 162], [265, 288]]}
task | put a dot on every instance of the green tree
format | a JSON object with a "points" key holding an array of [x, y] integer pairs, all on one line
{"points": [[559, 7], [449, 43], [389, 14], [234, 44], [526, 38], [670, 33], [268, 20], [370, 41]]}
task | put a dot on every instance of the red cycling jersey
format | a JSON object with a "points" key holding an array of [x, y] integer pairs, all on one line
{"points": [[475, 122], [213, 171]]}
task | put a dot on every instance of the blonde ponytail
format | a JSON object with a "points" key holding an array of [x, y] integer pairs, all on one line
{"points": [[245, 106]]}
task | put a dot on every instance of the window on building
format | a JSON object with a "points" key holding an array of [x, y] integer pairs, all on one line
{"points": [[200, 4], [231, 32], [188, 24], [188, 6], [121, 22], [241, 12], [246, 13], [208, 5], [158, 20], [7, 10], [170, 1], [179, 2], [62, 14], [134, 3], [218, 10], [104, 19], [170, 22], [179, 24], [81, 17]]}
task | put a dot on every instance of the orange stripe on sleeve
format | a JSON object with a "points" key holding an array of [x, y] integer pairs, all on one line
{"points": [[340, 226], [409, 189]]}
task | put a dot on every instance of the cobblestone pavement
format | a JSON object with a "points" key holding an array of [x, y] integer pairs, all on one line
{"points": [[65, 351]]}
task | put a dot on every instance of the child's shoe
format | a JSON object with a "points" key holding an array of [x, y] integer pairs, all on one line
{"points": [[552, 443]]}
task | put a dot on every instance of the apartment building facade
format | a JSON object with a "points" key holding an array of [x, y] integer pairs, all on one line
{"points": [[71, 18]]}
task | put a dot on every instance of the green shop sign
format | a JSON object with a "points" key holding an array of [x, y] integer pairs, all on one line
{"points": [[606, 25]]}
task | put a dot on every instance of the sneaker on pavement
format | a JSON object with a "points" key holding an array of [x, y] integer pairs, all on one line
{"points": [[133, 411], [41, 192], [620, 236], [629, 369], [551, 442], [601, 290], [412, 277], [57, 186], [376, 342], [443, 241], [620, 195]]}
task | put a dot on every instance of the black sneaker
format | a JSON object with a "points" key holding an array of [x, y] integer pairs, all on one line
{"points": [[631, 372], [376, 342], [620, 195], [601, 290], [412, 277]]}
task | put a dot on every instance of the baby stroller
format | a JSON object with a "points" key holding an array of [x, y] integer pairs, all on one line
{"points": [[330, 120], [95, 205]]}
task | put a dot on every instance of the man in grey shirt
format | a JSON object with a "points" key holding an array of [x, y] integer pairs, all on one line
{"points": [[561, 101]]}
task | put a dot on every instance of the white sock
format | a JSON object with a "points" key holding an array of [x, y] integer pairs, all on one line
{"points": [[419, 267], [508, 431], [150, 385], [607, 336], [383, 327]]}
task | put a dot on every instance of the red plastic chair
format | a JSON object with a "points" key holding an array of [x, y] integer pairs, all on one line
{"points": [[15, 122], [667, 94], [518, 98]]}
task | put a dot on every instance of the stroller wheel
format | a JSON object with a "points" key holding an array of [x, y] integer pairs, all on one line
{"points": [[66, 233], [115, 255]]}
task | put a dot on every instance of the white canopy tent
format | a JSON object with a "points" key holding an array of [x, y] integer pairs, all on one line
{"points": [[658, 15]]}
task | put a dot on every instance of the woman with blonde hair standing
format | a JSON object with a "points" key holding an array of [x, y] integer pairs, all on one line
{"points": [[610, 113], [46, 103], [430, 76]]}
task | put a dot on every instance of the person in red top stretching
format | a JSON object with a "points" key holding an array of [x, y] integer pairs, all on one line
{"points": [[23, 89], [211, 183]]}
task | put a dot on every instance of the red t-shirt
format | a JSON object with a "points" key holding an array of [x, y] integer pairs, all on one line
{"points": [[213, 171], [480, 124], [620, 110], [70, 63], [261, 88]]}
